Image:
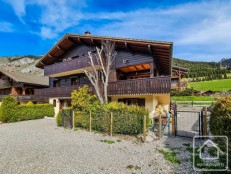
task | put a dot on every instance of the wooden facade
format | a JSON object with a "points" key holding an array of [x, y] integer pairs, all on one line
{"points": [[141, 67], [177, 74], [22, 91]]}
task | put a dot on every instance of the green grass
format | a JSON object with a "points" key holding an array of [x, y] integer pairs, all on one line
{"points": [[214, 85], [108, 141], [192, 98], [170, 156]]}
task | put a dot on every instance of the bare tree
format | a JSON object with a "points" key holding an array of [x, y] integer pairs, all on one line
{"points": [[100, 69]]}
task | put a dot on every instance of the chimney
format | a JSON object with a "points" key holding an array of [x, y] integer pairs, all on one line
{"points": [[87, 33]]}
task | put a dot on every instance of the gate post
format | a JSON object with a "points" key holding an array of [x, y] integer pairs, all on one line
{"points": [[62, 117], [90, 119], [173, 123], [160, 127], [205, 121], [73, 119], [202, 123]]}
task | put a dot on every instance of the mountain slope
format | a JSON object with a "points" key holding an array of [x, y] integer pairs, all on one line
{"points": [[24, 64]]}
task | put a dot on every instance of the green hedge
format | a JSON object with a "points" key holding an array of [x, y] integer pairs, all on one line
{"points": [[220, 120], [37, 111], [10, 111], [59, 118], [126, 119]]}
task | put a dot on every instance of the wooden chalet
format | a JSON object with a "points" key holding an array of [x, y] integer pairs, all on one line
{"points": [[21, 85], [141, 73], [177, 74]]}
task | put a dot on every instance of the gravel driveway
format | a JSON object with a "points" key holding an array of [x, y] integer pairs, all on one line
{"points": [[39, 146]]}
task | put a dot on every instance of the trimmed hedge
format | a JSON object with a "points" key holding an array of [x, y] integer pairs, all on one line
{"points": [[220, 121], [37, 111], [126, 119], [12, 112]]}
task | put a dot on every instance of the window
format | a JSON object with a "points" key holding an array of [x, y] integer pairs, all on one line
{"points": [[54, 103], [75, 81], [133, 101], [56, 83]]}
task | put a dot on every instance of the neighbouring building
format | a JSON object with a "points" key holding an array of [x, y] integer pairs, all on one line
{"points": [[177, 74], [141, 73], [21, 85]]}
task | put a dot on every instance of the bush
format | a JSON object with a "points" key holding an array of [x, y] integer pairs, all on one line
{"points": [[29, 103], [8, 109], [126, 119], [12, 112], [31, 112], [83, 100], [186, 92], [59, 118], [220, 120]]}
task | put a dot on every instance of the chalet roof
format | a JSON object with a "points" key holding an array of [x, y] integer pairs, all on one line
{"points": [[161, 51], [27, 78], [180, 68]]}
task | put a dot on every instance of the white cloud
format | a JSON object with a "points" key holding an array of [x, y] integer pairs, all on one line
{"points": [[6, 27], [197, 28], [48, 33]]}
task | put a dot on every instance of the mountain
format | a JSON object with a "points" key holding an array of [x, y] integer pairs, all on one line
{"points": [[24, 64], [211, 70], [226, 62]]}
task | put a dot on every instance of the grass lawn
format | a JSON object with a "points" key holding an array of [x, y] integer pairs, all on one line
{"points": [[214, 85], [192, 98]]}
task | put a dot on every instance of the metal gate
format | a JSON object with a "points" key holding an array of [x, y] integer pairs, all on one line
{"points": [[67, 118], [189, 123]]}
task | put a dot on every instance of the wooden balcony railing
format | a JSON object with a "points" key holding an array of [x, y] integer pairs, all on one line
{"points": [[64, 91], [69, 65], [26, 98], [157, 85]]}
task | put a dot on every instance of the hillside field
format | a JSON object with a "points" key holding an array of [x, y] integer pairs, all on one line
{"points": [[214, 85]]}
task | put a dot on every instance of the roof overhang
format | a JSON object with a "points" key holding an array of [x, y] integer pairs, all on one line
{"points": [[161, 51]]}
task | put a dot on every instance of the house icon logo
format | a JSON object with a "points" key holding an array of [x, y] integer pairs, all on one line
{"points": [[210, 153], [209, 145]]}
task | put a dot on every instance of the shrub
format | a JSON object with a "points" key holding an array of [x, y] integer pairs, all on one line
{"points": [[29, 103], [12, 112], [31, 112], [186, 92], [59, 118], [83, 100], [8, 109], [126, 119], [220, 120]]}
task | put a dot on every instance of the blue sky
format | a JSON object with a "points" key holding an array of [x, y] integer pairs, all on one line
{"points": [[200, 30]]}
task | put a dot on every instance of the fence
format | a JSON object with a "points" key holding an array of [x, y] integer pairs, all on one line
{"points": [[69, 119]]}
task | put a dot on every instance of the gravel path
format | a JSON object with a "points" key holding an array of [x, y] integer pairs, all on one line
{"points": [[40, 147]]}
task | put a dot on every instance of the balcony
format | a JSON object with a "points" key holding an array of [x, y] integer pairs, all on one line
{"points": [[157, 85], [68, 67], [26, 98]]}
